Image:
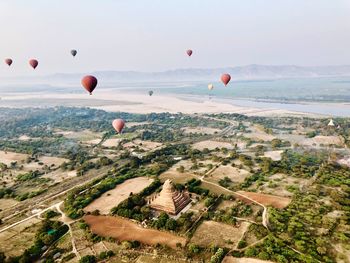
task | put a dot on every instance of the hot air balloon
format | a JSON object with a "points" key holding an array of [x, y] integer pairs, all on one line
{"points": [[8, 61], [33, 63], [89, 83], [210, 86], [189, 52], [225, 78], [73, 52], [118, 125], [150, 92]]}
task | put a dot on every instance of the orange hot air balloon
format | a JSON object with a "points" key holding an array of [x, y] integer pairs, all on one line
{"points": [[118, 125], [189, 52], [225, 78], [33, 63], [89, 83], [8, 61]]}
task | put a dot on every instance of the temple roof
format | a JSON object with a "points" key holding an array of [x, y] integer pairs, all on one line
{"points": [[169, 199]]}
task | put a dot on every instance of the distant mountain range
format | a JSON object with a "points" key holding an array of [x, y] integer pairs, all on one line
{"points": [[250, 72]]}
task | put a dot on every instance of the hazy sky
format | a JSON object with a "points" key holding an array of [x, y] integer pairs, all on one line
{"points": [[152, 35]]}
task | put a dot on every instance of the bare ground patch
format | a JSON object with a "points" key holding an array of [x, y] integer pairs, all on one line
{"points": [[234, 173], [211, 145], [278, 185], [14, 241], [144, 145], [9, 157], [345, 161], [59, 176], [325, 140], [84, 135], [5, 203], [158, 259], [112, 142], [268, 200], [220, 234], [229, 259], [203, 130], [123, 229], [115, 196], [21, 159], [274, 155], [176, 176], [257, 133]]}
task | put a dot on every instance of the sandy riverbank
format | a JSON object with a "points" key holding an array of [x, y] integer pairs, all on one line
{"points": [[115, 101]]}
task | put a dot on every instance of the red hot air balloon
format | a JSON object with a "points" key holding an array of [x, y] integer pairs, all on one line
{"points": [[8, 61], [89, 83], [189, 52], [33, 63], [225, 78], [118, 125]]}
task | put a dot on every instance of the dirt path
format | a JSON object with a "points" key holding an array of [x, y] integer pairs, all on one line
{"points": [[29, 217], [58, 191], [264, 214]]}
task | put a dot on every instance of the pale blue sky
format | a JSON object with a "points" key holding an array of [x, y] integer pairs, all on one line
{"points": [[152, 35]]}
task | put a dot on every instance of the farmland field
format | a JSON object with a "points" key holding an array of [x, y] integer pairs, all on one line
{"points": [[157, 259], [9, 157], [6, 203], [230, 259], [123, 229], [15, 240], [274, 155], [268, 200], [176, 176], [211, 145], [235, 174], [115, 196], [220, 234], [59, 176], [203, 130], [144, 145]]}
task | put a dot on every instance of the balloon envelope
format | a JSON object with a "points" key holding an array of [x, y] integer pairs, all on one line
{"points": [[8, 61], [225, 78], [150, 92], [89, 83], [33, 63], [118, 125], [189, 52], [210, 86], [73, 52]]}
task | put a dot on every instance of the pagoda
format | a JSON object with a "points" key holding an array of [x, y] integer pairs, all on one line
{"points": [[169, 199]]}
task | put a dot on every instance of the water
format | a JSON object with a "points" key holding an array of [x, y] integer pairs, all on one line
{"points": [[327, 96], [329, 109], [311, 89]]}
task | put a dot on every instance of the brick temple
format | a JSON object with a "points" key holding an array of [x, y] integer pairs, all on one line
{"points": [[169, 199]]}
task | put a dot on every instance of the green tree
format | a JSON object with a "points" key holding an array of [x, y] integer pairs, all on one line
{"points": [[171, 224], [88, 259], [2, 257], [193, 248]]}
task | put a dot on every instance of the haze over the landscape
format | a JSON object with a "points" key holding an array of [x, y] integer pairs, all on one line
{"points": [[152, 35], [183, 131]]}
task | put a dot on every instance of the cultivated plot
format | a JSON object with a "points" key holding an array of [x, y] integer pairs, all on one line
{"points": [[124, 229], [268, 200], [117, 195], [219, 234], [211, 145]]}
